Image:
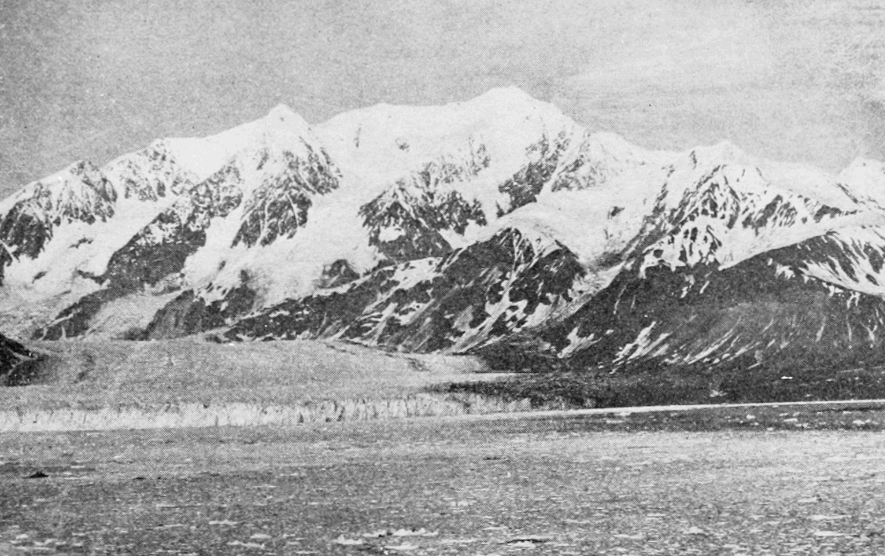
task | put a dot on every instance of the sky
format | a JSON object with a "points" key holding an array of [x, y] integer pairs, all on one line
{"points": [[788, 80]]}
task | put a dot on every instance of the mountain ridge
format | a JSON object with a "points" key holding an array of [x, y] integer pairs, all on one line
{"points": [[488, 225]]}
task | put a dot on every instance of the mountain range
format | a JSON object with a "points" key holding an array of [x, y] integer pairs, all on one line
{"points": [[496, 226]]}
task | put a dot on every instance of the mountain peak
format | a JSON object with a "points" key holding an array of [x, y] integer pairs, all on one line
{"points": [[863, 179], [282, 114], [507, 93], [860, 163], [282, 119], [203, 156], [719, 153], [511, 100]]}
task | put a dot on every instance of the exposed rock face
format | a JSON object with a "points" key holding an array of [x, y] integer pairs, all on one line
{"points": [[150, 174], [188, 313], [525, 186], [17, 363], [279, 205], [407, 220], [337, 274]]}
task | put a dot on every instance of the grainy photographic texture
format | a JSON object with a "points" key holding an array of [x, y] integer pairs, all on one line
{"points": [[469, 278]]}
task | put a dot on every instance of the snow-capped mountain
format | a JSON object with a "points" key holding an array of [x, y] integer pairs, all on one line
{"points": [[496, 225], [733, 269]]}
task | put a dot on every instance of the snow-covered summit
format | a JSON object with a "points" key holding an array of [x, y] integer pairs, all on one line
{"points": [[203, 156], [286, 117], [384, 141], [791, 178], [864, 181]]}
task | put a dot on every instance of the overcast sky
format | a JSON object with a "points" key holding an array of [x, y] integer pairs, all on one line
{"points": [[798, 81]]}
